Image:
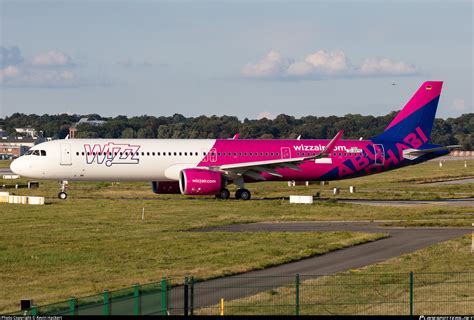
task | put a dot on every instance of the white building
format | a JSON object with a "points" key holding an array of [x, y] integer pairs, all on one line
{"points": [[27, 131], [91, 122]]}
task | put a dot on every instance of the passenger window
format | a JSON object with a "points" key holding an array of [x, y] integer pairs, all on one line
{"points": [[271, 154], [175, 153], [185, 153], [83, 153], [169, 153], [143, 153], [77, 153]]}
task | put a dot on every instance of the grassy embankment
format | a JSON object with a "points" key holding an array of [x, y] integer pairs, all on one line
{"points": [[381, 288]]}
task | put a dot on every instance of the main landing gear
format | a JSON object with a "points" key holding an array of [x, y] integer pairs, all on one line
{"points": [[240, 194], [224, 194], [62, 194]]}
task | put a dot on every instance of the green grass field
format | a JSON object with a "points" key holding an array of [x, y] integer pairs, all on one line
{"points": [[5, 163], [96, 239]]}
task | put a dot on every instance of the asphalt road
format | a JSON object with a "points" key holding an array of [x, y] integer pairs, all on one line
{"points": [[397, 203], [460, 181], [207, 293], [5, 171]]}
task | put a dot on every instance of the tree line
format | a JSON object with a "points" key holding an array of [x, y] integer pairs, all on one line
{"points": [[445, 131]]}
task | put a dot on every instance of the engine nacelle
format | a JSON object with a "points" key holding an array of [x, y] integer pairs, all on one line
{"points": [[200, 182], [165, 187]]}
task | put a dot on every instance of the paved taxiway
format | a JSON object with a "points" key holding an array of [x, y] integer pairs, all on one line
{"points": [[469, 202]]}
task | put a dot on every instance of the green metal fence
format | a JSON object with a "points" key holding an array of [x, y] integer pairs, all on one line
{"points": [[345, 293]]}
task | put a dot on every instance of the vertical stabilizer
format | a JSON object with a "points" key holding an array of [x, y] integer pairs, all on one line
{"points": [[417, 115]]}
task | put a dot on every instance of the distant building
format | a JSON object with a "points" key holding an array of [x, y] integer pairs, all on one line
{"points": [[27, 131], [14, 147], [3, 133], [91, 122]]}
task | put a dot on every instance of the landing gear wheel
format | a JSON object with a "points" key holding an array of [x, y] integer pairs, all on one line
{"points": [[243, 194], [238, 193], [224, 194], [62, 195]]}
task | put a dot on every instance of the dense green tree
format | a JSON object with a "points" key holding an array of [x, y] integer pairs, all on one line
{"points": [[450, 131]]}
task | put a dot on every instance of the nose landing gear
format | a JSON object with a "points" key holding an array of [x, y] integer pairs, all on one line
{"points": [[62, 194]]}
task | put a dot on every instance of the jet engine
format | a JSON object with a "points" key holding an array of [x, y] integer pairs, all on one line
{"points": [[165, 187], [200, 182]]}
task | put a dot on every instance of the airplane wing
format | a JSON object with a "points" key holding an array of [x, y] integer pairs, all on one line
{"points": [[256, 168], [412, 154]]}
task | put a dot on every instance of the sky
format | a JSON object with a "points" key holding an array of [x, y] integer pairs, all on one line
{"points": [[249, 59]]}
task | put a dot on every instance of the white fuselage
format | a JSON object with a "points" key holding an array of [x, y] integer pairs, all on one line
{"points": [[112, 159]]}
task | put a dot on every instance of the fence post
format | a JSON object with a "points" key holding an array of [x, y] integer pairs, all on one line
{"points": [[192, 296], [137, 300], [297, 293], [164, 297], [72, 306], [186, 297], [411, 293], [106, 311]]}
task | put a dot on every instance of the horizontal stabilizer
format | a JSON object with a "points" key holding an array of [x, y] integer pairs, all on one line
{"points": [[412, 154]]}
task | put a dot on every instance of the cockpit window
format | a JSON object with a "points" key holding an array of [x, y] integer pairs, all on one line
{"points": [[36, 152], [43, 153], [28, 152]]}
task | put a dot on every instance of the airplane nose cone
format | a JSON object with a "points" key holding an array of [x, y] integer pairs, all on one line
{"points": [[15, 166]]}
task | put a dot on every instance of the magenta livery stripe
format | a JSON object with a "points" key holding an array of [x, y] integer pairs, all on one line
{"points": [[426, 93]]}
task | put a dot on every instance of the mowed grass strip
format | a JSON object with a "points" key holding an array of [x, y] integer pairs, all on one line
{"points": [[5, 163], [443, 284], [81, 247]]}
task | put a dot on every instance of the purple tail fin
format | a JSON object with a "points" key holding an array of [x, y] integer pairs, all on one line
{"points": [[417, 116]]}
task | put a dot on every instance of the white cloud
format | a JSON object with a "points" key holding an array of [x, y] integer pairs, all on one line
{"points": [[385, 66], [52, 58], [328, 62], [125, 63], [459, 105], [9, 72], [274, 64], [38, 78], [47, 70], [324, 64], [10, 57], [265, 114], [128, 63]]}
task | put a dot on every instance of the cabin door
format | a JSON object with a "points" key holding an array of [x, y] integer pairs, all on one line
{"points": [[65, 154], [379, 155]]}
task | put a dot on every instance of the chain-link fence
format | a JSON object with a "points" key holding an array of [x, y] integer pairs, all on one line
{"points": [[340, 294]]}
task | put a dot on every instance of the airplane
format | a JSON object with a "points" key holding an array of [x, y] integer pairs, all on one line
{"points": [[208, 166]]}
